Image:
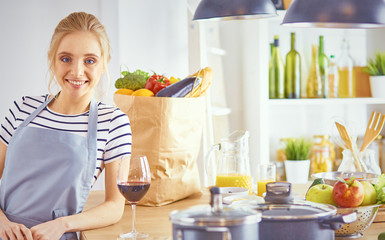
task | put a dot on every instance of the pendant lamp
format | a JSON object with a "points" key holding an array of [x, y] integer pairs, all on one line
{"points": [[336, 14], [234, 9]]}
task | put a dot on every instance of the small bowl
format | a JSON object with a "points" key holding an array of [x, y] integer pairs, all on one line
{"points": [[330, 178], [229, 191], [365, 217]]}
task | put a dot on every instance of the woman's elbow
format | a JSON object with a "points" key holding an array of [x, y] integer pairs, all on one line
{"points": [[117, 212]]}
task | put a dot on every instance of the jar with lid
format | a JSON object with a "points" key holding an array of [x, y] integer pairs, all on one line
{"points": [[320, 160], [280, 159], [281, 152], [324, 140], [322, 154]]}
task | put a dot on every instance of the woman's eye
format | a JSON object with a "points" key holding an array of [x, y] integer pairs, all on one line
{"points": [[90, 61], [65, 59]]}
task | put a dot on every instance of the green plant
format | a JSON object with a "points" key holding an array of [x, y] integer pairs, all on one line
{"points": [[376, 66], [297, 149]]}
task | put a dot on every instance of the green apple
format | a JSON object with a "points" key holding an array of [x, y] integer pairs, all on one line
{"points": [[369, 194], [321, 193]]}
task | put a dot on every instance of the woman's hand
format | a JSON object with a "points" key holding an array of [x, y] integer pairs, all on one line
{"points": [[51, 230], [14, 231]]}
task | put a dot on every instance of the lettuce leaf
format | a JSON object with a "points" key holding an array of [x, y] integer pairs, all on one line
{"points": [[381, 196], [380, 189]]}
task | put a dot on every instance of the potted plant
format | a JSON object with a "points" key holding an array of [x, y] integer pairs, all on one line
{"points": [[376, 69], [297, 165]]}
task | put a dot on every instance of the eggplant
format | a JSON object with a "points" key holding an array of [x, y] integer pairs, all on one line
{"points": [[179, 89]]}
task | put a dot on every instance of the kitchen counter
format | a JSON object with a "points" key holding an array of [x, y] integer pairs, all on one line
{"points": [[155, 220]]}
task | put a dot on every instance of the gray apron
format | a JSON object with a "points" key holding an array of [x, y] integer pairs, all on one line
{"points": [[48, 173]]}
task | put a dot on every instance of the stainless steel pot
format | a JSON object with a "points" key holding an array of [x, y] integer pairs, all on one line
{"points": [[283, 218], [215, 222]]}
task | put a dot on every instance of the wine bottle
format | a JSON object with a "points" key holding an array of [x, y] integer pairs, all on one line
{"points": [[345, 63], [333, 78], [293, 71], [276, 72], [314, 84], [323, 62]]}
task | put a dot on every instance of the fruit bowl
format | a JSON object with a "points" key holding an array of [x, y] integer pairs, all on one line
{"points": [[365, 217], [330, 178]]}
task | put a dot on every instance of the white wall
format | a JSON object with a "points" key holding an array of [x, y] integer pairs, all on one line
{"points": [[153, 36]]}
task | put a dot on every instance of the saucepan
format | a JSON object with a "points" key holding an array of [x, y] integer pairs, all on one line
{"points": [[285, 218], [215, 222]]}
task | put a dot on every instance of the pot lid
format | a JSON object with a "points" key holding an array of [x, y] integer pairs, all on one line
{"points": [[295, 210], [281, 206], [202, 215]]}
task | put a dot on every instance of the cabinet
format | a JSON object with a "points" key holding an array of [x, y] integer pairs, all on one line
{"points": [[269, 120]]}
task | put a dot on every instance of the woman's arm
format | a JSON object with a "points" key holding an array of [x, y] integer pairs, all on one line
{"points": [[8, 229], [107, 213], [3, 150]]}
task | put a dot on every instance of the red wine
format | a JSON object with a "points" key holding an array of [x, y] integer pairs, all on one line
{"points": [[133, 191]]}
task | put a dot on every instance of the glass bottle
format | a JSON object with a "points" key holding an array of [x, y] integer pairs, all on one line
{"points": [[345, 63], [293, 71], [323, 62], [314, 84], [276, 72], [333, 78]]}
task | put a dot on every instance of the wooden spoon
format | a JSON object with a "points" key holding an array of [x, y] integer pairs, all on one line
{"points": [[373, 129], [349, 144]]}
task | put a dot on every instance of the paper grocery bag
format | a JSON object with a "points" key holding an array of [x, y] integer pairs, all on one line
{"points": [[169, 132]]}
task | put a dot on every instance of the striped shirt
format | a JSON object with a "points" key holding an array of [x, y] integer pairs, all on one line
{"points": [[113, 129]]}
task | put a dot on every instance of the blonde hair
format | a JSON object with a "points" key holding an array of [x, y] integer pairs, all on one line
{"points": [[79, 22]]}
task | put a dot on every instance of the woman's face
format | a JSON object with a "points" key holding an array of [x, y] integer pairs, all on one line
{"points": [[78, 64]]}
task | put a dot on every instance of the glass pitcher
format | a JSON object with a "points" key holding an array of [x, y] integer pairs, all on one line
{"points": [[232, 167]]}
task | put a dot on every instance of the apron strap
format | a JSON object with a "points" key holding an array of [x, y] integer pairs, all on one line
{"points": [[92, 126], [92, 148], [35, 113]]}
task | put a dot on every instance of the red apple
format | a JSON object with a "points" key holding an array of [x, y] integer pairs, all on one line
{"points": [[348, 192]]}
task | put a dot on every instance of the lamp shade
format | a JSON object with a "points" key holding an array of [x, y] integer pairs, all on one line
{"points": [[234, 9], [336, 13]]}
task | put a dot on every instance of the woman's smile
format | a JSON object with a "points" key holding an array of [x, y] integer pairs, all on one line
{"points": [[76, 83]]}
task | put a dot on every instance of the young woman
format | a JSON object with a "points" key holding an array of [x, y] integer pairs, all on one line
{"points": [[53, 147]]}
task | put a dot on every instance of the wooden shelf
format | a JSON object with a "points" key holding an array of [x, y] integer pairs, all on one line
{"points": [[324, 101]]}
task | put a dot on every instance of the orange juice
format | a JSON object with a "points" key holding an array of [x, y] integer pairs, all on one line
{"points": [[261, 184], [234, 180]]}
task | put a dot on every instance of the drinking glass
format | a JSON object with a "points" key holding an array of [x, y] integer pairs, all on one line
{"points": [[133, 179], [265, 174]]}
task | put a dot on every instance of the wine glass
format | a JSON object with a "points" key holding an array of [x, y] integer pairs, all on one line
{"points": [[133, 179]]}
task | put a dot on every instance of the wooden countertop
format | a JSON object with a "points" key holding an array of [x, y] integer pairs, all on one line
{"points": [[152, 220], [155, 220]]}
